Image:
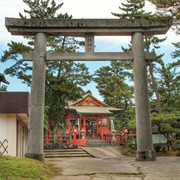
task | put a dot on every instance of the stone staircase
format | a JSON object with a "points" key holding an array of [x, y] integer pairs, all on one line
{"points": [[62, 153], [96, 143]]}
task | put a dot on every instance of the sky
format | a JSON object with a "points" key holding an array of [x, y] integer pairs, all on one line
{"points": [[87, 9]]}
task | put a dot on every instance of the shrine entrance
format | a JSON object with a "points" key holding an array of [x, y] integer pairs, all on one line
{"points": [[91, 128], [88, 28]]}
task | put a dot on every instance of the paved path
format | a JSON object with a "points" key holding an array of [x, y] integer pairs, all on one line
{"points": [[109, 164]]}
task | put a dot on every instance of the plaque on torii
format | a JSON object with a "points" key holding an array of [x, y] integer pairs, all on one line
{"points": [[88, 28]]}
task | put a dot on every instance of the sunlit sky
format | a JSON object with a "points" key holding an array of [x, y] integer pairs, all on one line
{"points": [[86, 9]]}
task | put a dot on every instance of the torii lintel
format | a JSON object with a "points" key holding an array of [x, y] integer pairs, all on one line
{"points": [[80, 27], [88, 56]]}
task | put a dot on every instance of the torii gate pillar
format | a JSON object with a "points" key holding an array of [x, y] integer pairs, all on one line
{"points": [[145, 150], [36, 123]]}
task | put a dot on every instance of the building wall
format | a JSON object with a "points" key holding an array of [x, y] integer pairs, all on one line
{"points": [[13, 132], [8, 134], [22, 132], [3, 134]]}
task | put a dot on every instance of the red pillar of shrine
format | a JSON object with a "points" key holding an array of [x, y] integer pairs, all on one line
{"points": [[69, 127]]}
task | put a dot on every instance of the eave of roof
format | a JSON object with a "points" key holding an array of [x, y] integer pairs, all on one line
{"points": [[94, 110]]}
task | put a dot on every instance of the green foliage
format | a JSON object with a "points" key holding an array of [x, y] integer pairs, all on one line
{"points": [[132, 125], [176, 53], [24, 168], [152, 42], [46, 118], [111, 84], [44, 9], [126, 151], [22, 70], [169, 8], [166, 123], [64, 79], [134, 10], [3, 88], [169, 85], [177, 144]]}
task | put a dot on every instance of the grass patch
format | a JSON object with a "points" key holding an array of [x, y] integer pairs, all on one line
{"points": [[168, 153], [15, 168], [126, 151]]}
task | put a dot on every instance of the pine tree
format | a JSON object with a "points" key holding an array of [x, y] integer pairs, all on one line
{"points": [[64, 79], [176, 53], [169, 8], [3, 88], [151, 43], [112, 86], [133, 10]]}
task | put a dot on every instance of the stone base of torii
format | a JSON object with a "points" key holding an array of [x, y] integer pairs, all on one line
{"points": [[88, 28]]}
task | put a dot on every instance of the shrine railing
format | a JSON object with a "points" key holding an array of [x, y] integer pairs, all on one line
{"points": [[65, 137], [79, 138], [105, 133]]}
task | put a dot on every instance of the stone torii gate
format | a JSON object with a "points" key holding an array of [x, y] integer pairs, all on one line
{"points": [[88, 28]]}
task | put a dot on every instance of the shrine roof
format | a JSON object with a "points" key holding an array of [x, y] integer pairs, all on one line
{"points": [[91, 110], [95, 110], [89, 105]]}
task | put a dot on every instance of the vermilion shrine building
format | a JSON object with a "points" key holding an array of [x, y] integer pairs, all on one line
{"points": [[88, 117]]}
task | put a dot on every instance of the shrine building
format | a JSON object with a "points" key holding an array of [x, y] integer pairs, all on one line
{"points": [[88, 118]]}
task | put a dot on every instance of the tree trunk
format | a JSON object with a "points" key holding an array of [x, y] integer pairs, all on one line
{"points": [[167, 137], [155, 88]]}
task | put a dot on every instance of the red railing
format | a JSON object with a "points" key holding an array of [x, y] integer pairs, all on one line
{"points": [[79, 138], [75, 138], [105, 133], [48, 136]]}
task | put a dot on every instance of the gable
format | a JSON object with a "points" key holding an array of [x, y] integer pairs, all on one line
{"points": [[88, 100]]}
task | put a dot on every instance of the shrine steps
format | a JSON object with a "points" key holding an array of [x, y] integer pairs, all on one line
{"points": [[63, 153], [97, 143]]}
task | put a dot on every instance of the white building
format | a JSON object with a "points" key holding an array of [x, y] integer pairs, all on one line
{"points": [[14, 116]]}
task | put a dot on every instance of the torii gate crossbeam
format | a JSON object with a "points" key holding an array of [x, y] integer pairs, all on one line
{"points": [[88, 28]]}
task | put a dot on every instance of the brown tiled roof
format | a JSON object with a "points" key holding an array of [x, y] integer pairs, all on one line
{"points": [[14, 102]]}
